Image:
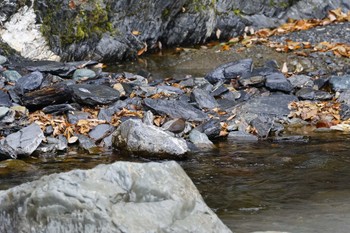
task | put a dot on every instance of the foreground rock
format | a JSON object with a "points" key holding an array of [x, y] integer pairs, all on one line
{"points": [[139, 138], [110, 198]]}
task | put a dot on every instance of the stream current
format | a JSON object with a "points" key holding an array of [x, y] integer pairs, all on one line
{"points": [[262, 186]]}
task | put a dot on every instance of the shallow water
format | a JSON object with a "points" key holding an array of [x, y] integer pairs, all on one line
{"points": [[294, 187]]}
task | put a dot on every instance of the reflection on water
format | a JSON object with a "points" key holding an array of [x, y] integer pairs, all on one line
{"points": [[296, 187]]}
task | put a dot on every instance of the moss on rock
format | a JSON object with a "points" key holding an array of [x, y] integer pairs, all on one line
{"points": [[76, 20]]}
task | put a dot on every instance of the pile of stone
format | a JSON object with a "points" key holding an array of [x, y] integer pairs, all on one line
{"points": [[165, 117]]}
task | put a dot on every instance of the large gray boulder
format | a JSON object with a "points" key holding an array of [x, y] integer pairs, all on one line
{"points": [[148, 140], [121, 197]]}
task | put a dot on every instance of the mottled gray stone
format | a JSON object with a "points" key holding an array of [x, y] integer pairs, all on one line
{"points": [[80, 74], [147, 140], [200, 140], [101, 131], [241, 136], [11, 75], [340, 83], [120, 197]]}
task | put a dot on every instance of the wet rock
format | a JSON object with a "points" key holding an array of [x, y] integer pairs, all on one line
{"points": [[86, 143], [11, 166], [278, 82], [200, 140], [241, 136], [344, 97], [23, 142], [230, 71], [262, 125], [107, 141], [291, 138], [175, 109], [29, 82], [101, 131], [211, 128], [3, 112], [301, 81], [340, 83], [50, 95], [148, 141], [94, 94], [58, 109], [11, 75], [344, 112], [276, 105], [74, 116], [113, 197], [83, 74], [218, 89], [4, 99], [203, 99]]}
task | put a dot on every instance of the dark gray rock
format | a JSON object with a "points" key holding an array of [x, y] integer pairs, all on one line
{"points": [[291, 138], [148, 141], [94, 94], [74, 116], [344, 112], [344, 97], [240, 136], [278, 82], [50, 95], [275, 105], [306, 94], [175, 109], [263, 125], [134, 197], [29, 82], [301, 81], [23, 142], [219, 89], [11, 75], [101, 131], [231, 70], [211, 128], [5, 99], [58, 109], [340, 83], [86, 143], [203, 99]]}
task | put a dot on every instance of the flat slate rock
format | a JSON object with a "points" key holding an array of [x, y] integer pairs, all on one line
{"points": [[230, 70], [176, 109], [276, 105], [4, 99], [94, 94], [340, 83], [203, 99], [278, 82], [29, 82], [101, 131]]}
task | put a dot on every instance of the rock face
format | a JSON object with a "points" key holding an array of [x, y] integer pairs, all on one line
{"points": [[121, 197], [147, 140], [115, 30]]}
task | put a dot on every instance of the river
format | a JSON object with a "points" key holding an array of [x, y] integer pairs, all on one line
{"points": [[262, 186]]}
